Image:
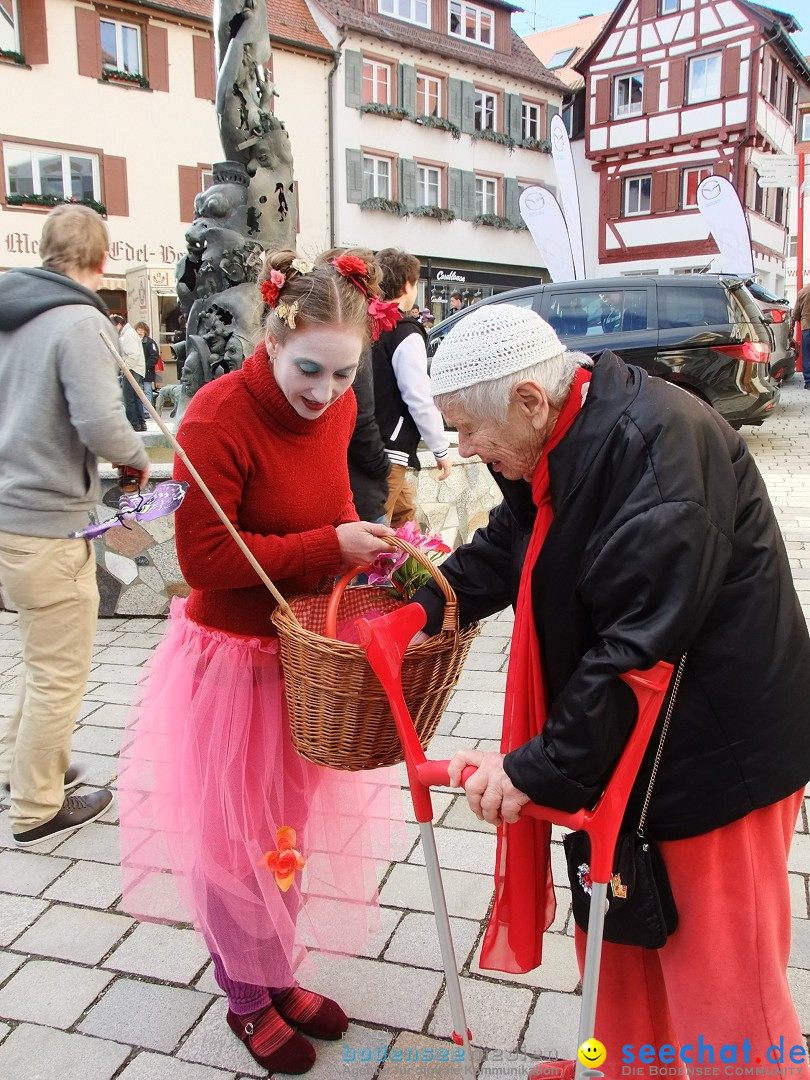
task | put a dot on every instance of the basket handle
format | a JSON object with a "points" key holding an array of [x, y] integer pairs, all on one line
{"points": [[450, 620]]}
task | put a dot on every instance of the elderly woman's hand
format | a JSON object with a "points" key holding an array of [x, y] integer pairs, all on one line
{"points": [[491, 795]]}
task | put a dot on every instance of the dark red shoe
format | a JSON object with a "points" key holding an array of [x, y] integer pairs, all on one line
{"points": [[295, 1055], [328, 1022]]}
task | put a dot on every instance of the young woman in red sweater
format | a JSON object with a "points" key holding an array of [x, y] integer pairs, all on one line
{"points": [[261, 842]]}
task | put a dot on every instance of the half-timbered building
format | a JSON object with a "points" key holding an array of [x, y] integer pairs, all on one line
{"points": [[678, 90]]}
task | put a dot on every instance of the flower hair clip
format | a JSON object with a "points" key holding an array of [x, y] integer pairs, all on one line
{"points": [[382, 314], [287, 312], [272, 287]]}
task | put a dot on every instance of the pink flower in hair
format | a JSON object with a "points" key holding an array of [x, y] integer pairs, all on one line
{"points": [[272, 287], [349, 265]]}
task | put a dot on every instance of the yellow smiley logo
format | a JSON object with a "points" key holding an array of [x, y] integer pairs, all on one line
{"points": [[592, 1053]]}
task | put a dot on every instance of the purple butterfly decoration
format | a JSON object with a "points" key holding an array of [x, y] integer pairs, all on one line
{"points": [[164, 500]]}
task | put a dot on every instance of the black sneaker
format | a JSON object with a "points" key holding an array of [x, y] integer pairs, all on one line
{"points": [[73, 777], [77, 810]]}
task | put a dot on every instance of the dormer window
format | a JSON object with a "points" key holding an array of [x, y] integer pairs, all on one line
{"points": [[560, 58], [412, 11], [471, 22]]}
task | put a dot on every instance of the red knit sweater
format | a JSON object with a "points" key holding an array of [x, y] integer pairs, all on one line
{"points": [[282, 480]]}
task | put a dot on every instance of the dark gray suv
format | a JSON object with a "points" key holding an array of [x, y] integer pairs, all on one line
{"points": [[704, 332]]}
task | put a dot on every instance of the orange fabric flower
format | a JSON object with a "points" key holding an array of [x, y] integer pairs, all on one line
{"points": [[286, 860], [348, 265]]}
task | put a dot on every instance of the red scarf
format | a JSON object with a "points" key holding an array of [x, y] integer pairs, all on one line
{"points": [[524, 891]]}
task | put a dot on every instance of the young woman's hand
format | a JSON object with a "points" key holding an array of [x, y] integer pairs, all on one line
{"points": [[361, 543], [444, 465]]}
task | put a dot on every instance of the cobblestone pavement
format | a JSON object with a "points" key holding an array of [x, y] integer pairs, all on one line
{"points": [[86, 993]]}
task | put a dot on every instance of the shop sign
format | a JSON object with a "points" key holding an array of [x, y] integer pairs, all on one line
{"points": [[22, 243], [450, 275]]}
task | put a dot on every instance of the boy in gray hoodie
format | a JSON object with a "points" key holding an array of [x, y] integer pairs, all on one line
{"points": [[60, 409]]}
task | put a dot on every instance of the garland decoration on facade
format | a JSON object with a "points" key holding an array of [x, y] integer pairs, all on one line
{"points": [[392, 111], [494, 136], [12, 56], [437, 212], [387, 206], [543, 146], [496, 222], [440, 122], [117, 75], [54, 200]]}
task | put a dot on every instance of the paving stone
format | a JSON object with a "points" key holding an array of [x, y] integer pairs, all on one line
{"points": [[26, 873], [460, 816], [419, 1057], [558, 971], [90, 884], [389, 919], [98, 770], [479, 725], [52, 994], [8, 964], [505, 1065], [461, 850], [97, 842], [489, 644], [553, 1026], [487, 681], [495, 1014], [468, 701], [96, 739], [799, 859], [439, 799], [16, 913], [43, 1053], [157, 894], [113, 693], [416, 941], [467, 895], [115, 673], [483, 661], [148, 1066], [798, 896], [374, 992], [358, 1056], [495, 628], [207, 983], [79, 934], [123, 653], [213, 1043], [799, 982], [800, 944], [108, 715], [144, 1014], [160, 952]]}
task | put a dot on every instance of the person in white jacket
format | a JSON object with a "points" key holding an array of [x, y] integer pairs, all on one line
{"points": [[402, 399], [132, 352]]}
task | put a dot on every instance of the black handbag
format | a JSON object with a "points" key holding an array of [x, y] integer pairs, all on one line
{"points": [[640, 908]]}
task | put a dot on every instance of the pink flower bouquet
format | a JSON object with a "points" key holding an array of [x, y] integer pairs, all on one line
{"points": [[399, 569]]}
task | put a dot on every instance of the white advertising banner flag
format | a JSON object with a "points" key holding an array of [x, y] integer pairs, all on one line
{"points": [[724, 214], [569, 192], [544, 220]]}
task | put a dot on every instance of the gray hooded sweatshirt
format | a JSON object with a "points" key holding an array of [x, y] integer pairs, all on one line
{"points": [[60, 403]]}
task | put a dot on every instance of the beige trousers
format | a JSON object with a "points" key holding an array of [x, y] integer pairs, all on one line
{"points": [[400, 506], [52, 584]]}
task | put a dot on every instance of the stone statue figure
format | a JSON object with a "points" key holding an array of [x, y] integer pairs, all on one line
{"points": [[249, 209]]}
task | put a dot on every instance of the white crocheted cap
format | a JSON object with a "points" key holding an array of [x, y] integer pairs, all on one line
{"points": [[493, 341]]}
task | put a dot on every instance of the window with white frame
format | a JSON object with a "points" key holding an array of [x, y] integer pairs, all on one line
{"points": [[637, 192], [692, 179], [805, 127], [428, 185], [669, 7], [485, 110], [66, 174], [530, 120], [486, 195], [627, 94], [560, 58], [428, 95], [472, 22], [704, 78], [376, 82], [121, 47], [9, 26], [376, 177], [414, 11]]}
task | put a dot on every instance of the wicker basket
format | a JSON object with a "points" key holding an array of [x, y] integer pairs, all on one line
{"points": [[339, 713]]}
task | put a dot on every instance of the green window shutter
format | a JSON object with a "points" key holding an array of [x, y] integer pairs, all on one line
{"points": [[467, 196], [513, 121], [354, 176], [354, 78], [454, 191], [407, 183], [512, 197], [407, 88], [467, 107], [552, 111], [454, 101]]}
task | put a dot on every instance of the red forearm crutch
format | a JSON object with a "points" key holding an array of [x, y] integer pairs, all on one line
{"points": [[385, 640]]}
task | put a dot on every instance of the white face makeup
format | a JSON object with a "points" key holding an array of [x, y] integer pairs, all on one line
{"points": [[314, 367]]}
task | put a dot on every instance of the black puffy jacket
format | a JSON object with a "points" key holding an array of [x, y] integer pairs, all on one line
{"points": [[664, 541]]}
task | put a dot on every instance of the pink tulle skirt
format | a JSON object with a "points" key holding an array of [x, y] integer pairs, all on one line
{"points": [[209, 777]]}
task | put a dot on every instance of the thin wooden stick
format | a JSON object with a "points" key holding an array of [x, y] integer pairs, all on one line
{"points": [[178, 449]]}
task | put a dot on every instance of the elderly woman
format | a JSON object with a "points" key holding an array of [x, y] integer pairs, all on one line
{"points": [[635, 527]]}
